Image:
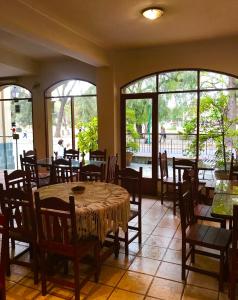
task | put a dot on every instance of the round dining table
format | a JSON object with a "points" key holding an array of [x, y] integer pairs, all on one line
{"points": [[100, 207]]}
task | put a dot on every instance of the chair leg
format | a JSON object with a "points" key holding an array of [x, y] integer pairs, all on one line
{"points": [[43, 273], [116, 244], [8, 268], [183, 260], [139, 227], [35, 263], [221, 276], [76, 279], [192, 254], [97, 261], [126, 243]]}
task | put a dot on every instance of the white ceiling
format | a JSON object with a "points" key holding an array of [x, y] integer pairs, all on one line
{"points": [[87, 30], [119, 24]]}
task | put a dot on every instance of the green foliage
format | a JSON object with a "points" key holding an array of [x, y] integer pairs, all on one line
{"points": [[88, 135], [132, 134], [215, 125]]}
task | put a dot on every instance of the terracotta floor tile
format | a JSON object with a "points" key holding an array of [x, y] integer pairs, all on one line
{"points": [[162, 231], [145, 265], [110, 275], [159, 241], [100, 292], [120, 295], [175, 244], [18, 292], [196, 293], [165, 289], [135, 282], [202, 280], [122, 261], [169, 271], [153, 252], [173, 256]]}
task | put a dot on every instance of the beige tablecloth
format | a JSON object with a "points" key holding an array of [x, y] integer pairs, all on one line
{"points": [[100, 208]]}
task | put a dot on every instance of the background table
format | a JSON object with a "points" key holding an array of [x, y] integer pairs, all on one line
{"points": [[100, 208]]}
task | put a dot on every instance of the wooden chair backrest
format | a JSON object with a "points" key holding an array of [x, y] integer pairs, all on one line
{"points": [[186, 205], [100, 155], [131, 180], [61, 170], [92, 172], [30, 163], [71, 153], [179, 165], [20, 209], [163, 163], [111, 168], [56, 222], [29, 153], [233, 168], [20, 179]]}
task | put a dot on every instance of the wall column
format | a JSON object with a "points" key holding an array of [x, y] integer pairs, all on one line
{"points": [[106, 110]]}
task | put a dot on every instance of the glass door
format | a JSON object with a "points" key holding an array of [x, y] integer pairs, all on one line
{"points": [[139, 135], [16, 132]]}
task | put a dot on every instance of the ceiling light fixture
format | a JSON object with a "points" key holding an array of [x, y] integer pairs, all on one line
{"points": [[152, 13]]}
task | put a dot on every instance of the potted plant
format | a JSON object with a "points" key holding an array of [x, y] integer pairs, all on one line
{"points": [[216, 124]]}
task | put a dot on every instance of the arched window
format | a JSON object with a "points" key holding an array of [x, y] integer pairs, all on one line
{"points": [[71, 104], [15, 117], [188, 113]]}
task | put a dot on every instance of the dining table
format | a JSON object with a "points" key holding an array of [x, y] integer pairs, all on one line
{"points": [[225, 196], [100, 207]]}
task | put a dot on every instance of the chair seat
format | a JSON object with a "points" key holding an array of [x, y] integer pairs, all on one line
{"points": [[210, 237]]}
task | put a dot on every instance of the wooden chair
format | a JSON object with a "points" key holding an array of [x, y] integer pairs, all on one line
{"points": [[131, 180], [195, 235], [19, 179], [92, 172], [100, 155], [233, 256], [4, 231], [166, 181], [179, 166], [19, 205], [59, 237], [30, 153], [233, 175], [201, 211], [71, 153], [111, 168], [37, 179], [61, 171]]}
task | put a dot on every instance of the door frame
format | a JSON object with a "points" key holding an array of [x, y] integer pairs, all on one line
{"points": [[149, 184]]}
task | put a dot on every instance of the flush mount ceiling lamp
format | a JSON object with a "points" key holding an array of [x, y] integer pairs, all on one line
{"points": [[152, 13]]}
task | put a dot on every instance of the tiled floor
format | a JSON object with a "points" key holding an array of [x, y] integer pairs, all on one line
{"points": [[152, 271]]}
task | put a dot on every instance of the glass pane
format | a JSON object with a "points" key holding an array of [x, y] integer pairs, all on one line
{"points": [[86, 126], [72, 88], [178, 81], [211, 80], [145, 85], [16, 117], [14, 92], [176, 136], [218, 115], [61, 124], [139, 135]]}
